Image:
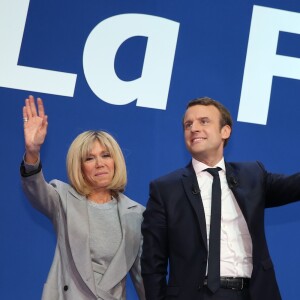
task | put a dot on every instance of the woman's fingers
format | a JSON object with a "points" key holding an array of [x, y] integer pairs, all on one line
{"points": [[41, 109], [25, 117], [32, 106], [32, 110], [28, 108]]}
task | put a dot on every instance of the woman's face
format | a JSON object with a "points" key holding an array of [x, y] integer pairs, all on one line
{"points": [[98, 168]]}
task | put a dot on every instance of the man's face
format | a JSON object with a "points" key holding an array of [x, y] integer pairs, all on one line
{"points": [[203, 134]]}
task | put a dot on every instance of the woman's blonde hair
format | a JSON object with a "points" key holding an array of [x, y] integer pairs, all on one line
{"points": [[78, 152]]}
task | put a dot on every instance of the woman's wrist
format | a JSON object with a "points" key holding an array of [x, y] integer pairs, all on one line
{"points": [[31, 157]]}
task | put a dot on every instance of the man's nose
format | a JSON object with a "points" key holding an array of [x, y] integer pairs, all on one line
{"points": [[195, 127]]}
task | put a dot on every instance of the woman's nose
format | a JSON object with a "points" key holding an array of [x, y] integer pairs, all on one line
{"points": [[99, 162]]}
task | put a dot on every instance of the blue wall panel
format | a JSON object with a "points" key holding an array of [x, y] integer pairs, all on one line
{"points": [[210, 52]]}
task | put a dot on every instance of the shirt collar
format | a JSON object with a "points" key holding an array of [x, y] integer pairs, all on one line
{"points": [[200, 166]]}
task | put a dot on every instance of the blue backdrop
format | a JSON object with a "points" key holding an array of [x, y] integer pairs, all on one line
{"points": [[129, 67]]}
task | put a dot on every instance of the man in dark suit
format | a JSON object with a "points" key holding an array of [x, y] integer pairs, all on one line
{"points": [[178, 219]]}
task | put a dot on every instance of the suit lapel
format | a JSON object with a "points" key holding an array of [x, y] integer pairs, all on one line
{"points": [[129, 247], [191, 188], [233, 180], [78, 232]]}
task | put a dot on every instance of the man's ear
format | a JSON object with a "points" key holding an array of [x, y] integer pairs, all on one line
{"points": [[225, 132]]}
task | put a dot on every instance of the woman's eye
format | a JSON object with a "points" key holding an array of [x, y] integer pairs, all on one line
{"points": [[106, 154]]}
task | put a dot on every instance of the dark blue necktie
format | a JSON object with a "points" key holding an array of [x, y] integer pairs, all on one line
{"points": [[213, 272]]}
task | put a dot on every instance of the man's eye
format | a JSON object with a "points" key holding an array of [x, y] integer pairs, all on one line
{"points": [[187, 125]]}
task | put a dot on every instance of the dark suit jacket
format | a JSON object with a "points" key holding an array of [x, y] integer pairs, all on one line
{"points": [[174, 230]]}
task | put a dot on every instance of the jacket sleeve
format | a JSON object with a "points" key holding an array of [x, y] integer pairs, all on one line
{"points": [[154, 260], [280, 189], [42, 195], [136, 277]]}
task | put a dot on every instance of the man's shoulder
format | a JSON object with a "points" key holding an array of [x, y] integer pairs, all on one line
{"points": [[247, 166], [244, 164], [175, 175]]}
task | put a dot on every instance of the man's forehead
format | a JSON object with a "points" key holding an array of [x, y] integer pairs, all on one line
{"points": [[201, 111]]}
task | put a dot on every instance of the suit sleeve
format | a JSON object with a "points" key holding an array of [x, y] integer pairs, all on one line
{"points": [[154, 260], [280, 189]]}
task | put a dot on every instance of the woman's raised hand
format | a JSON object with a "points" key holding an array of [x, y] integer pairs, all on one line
{"points": [[35, 128]]}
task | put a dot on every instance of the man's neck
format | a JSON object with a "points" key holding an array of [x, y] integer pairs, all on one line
{"points": [[209, 161]]}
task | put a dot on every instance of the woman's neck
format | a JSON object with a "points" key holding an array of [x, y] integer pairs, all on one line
{"points": [[100, 197]]}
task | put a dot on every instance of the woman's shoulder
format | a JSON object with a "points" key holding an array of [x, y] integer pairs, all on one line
{"points": [[64, 188], [60, 185], [129, 203]]}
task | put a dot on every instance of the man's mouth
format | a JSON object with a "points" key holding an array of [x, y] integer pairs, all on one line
{"points": [[197, 139]]}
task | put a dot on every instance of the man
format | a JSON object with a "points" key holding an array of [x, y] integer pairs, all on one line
{"points": [[178, 219]]}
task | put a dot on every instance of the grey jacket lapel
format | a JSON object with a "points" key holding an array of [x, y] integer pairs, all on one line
{"points": [[191, 188], [129, 247], [78, 231]]}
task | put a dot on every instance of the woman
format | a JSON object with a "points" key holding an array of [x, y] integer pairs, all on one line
{"points": [[97, 226]]}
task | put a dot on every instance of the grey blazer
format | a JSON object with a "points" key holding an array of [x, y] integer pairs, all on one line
{"points": [[71, 275]]}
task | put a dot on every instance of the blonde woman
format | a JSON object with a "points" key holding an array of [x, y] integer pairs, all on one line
{"points": [[97, 226]]}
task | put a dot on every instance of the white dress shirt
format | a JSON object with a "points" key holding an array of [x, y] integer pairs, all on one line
{"points": [[236, 243]]}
